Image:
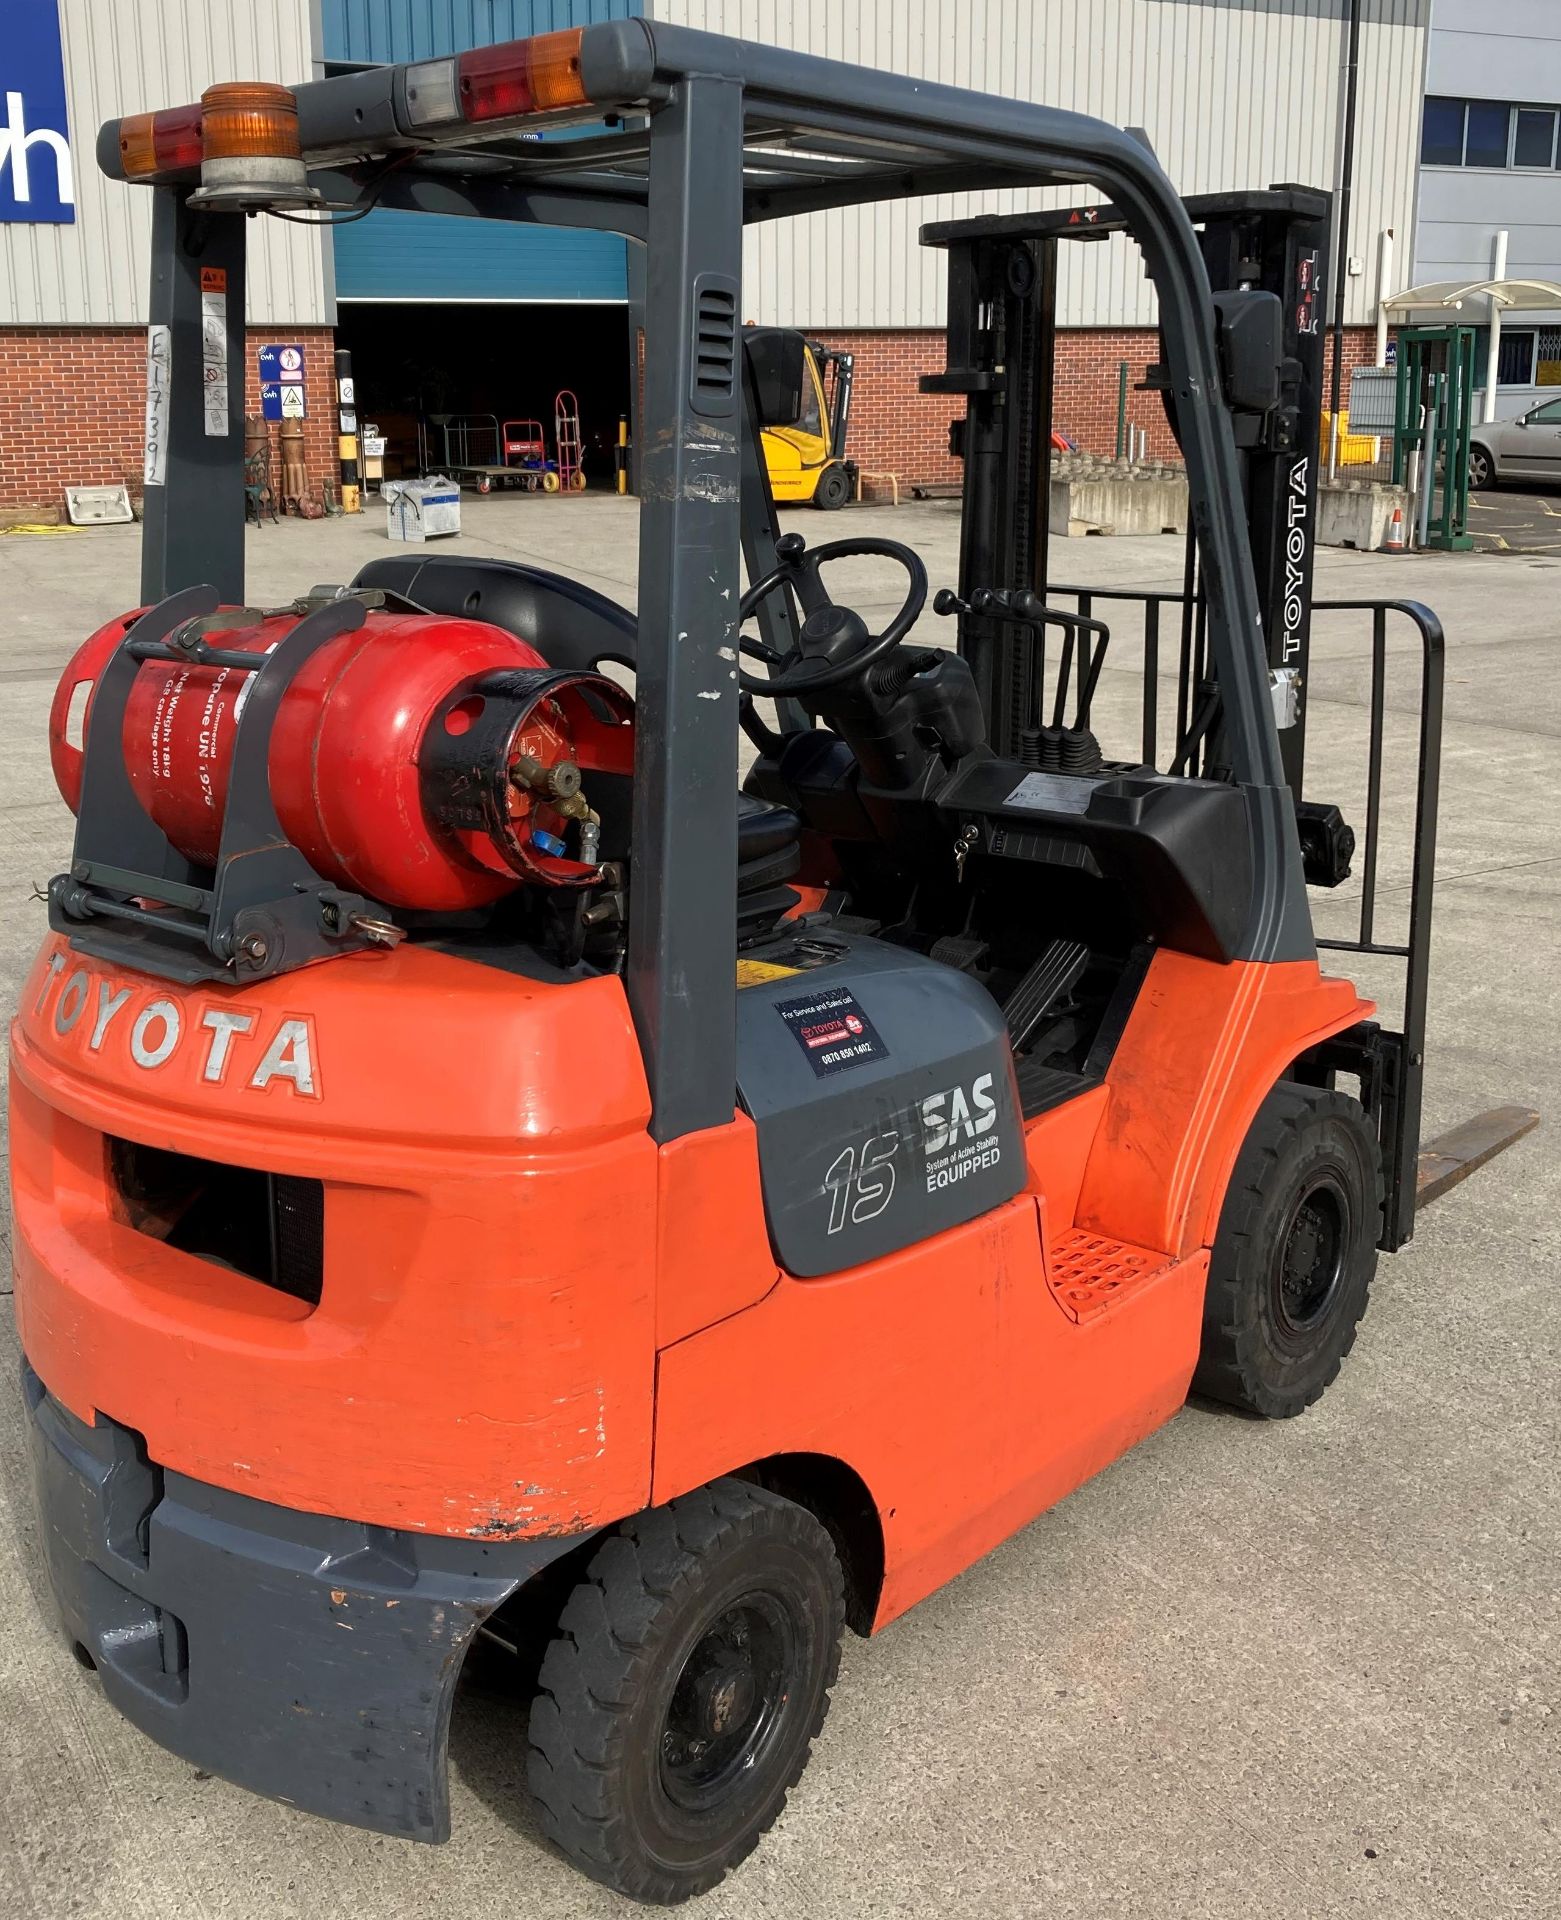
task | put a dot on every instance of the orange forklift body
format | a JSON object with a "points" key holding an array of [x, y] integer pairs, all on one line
{"points": [[621, 1331]]}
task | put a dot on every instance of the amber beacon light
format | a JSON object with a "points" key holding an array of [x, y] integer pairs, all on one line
{"points": [[251, 160]]}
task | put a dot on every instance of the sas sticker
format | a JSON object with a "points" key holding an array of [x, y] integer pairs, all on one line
{"points": [[754, 973], [832, 1030]]}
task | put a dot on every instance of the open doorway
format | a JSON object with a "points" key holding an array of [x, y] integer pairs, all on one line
{"points": [[413, 360]]}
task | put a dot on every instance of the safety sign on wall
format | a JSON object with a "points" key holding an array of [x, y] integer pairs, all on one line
{"points": [[282, 383]]}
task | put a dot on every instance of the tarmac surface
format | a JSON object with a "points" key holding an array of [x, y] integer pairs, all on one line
{"points": [[1503, 521], [1250, 1672]]}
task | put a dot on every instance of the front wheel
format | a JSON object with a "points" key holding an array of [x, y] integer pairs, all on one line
{"points": [[833, 489], [680, 1701], [1482, 469], [1294, 1256], [484, 483]]}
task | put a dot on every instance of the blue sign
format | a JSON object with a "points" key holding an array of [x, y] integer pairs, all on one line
{"points": [[37, 182], [282, 364], [280, 400]]}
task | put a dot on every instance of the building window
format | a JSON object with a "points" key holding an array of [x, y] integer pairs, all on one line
{"points": [[1547, 359], [1515, 360], [1514, 357], [1488, 133], [1534, 137], [1442, 145]]}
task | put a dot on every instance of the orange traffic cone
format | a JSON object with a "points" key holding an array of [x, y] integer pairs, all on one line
{"points": [[1394, 543]]}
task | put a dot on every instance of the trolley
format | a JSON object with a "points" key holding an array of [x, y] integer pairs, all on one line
{"points": [[566, 441], [525, 453], [472, 450]]}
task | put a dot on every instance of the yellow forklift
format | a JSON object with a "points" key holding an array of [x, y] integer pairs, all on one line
{"points": [[804, 409]]}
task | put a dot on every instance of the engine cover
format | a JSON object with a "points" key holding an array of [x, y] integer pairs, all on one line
{"points": [[881, 1085]]}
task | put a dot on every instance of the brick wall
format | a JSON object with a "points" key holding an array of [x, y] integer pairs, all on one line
{"points": [[896, 429], [73, 409], [321, 459]]}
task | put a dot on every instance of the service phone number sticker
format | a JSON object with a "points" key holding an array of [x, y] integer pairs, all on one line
{"points": [[832, 1030]]}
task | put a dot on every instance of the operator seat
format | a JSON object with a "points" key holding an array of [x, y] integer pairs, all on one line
{"points": [[574, 627]]}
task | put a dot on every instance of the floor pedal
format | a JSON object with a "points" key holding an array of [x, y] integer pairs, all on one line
{"points": [[960, 950], [1042, 1088], [1052, 976]]}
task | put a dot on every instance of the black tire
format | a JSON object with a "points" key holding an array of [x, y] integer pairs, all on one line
{"points": [[719, 1614], [1294, 1256], [1482, 469], [833, 489]]}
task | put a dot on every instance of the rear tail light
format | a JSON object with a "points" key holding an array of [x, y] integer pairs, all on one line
{"points": [[506, 82], [152, 145], [251, 158], [555, 71], [433, 94]]}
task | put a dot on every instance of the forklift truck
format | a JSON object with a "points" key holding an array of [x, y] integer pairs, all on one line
{"points": [[804, 406], [478, 1170]]}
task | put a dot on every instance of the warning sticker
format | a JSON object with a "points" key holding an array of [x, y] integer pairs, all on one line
{"points": [[1051, 793], [214, 350], [159, 398], [832, 1030], [754, 973]]}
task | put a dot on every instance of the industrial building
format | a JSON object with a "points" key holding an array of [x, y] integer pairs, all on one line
{"points": [[1489, 205], [444, 317]]}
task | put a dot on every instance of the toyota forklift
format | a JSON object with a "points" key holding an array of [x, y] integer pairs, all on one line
{"points": [[480, 1171]]}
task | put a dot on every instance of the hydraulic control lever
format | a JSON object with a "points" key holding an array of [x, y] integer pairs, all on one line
{"points": [[1018, 604], [1057, 747]]}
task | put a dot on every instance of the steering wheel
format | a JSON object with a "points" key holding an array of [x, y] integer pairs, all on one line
{"points": [[834, 644]]}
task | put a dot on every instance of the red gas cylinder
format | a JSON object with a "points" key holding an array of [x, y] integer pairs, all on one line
{"points": [[346, 753]]}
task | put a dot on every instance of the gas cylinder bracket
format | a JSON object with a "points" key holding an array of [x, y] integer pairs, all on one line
{"points": [[130, 896]]}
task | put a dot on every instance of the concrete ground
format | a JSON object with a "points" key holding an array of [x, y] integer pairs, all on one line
{"points": [[1286, 1671]]}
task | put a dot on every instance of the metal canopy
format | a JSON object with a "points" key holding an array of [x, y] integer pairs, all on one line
{"points": [[688, 136], [1519, 295]]}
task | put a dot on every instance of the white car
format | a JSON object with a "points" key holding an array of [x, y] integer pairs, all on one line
{"points": [[1517, 451]]}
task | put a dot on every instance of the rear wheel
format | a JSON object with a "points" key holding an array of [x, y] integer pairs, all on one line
{"points": [[485, 483], [679, 1703], [833, 489], [1294, 1256], [1482, 469]]}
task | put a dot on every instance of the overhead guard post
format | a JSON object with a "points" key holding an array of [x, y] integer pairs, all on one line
{"points": [[193, 529], [679, 975]]}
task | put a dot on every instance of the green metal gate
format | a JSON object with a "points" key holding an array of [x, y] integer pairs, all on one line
{"points": [[1433, 418]]}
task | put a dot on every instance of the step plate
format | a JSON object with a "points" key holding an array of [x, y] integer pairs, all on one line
{"points": [[1088, 1274]]}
